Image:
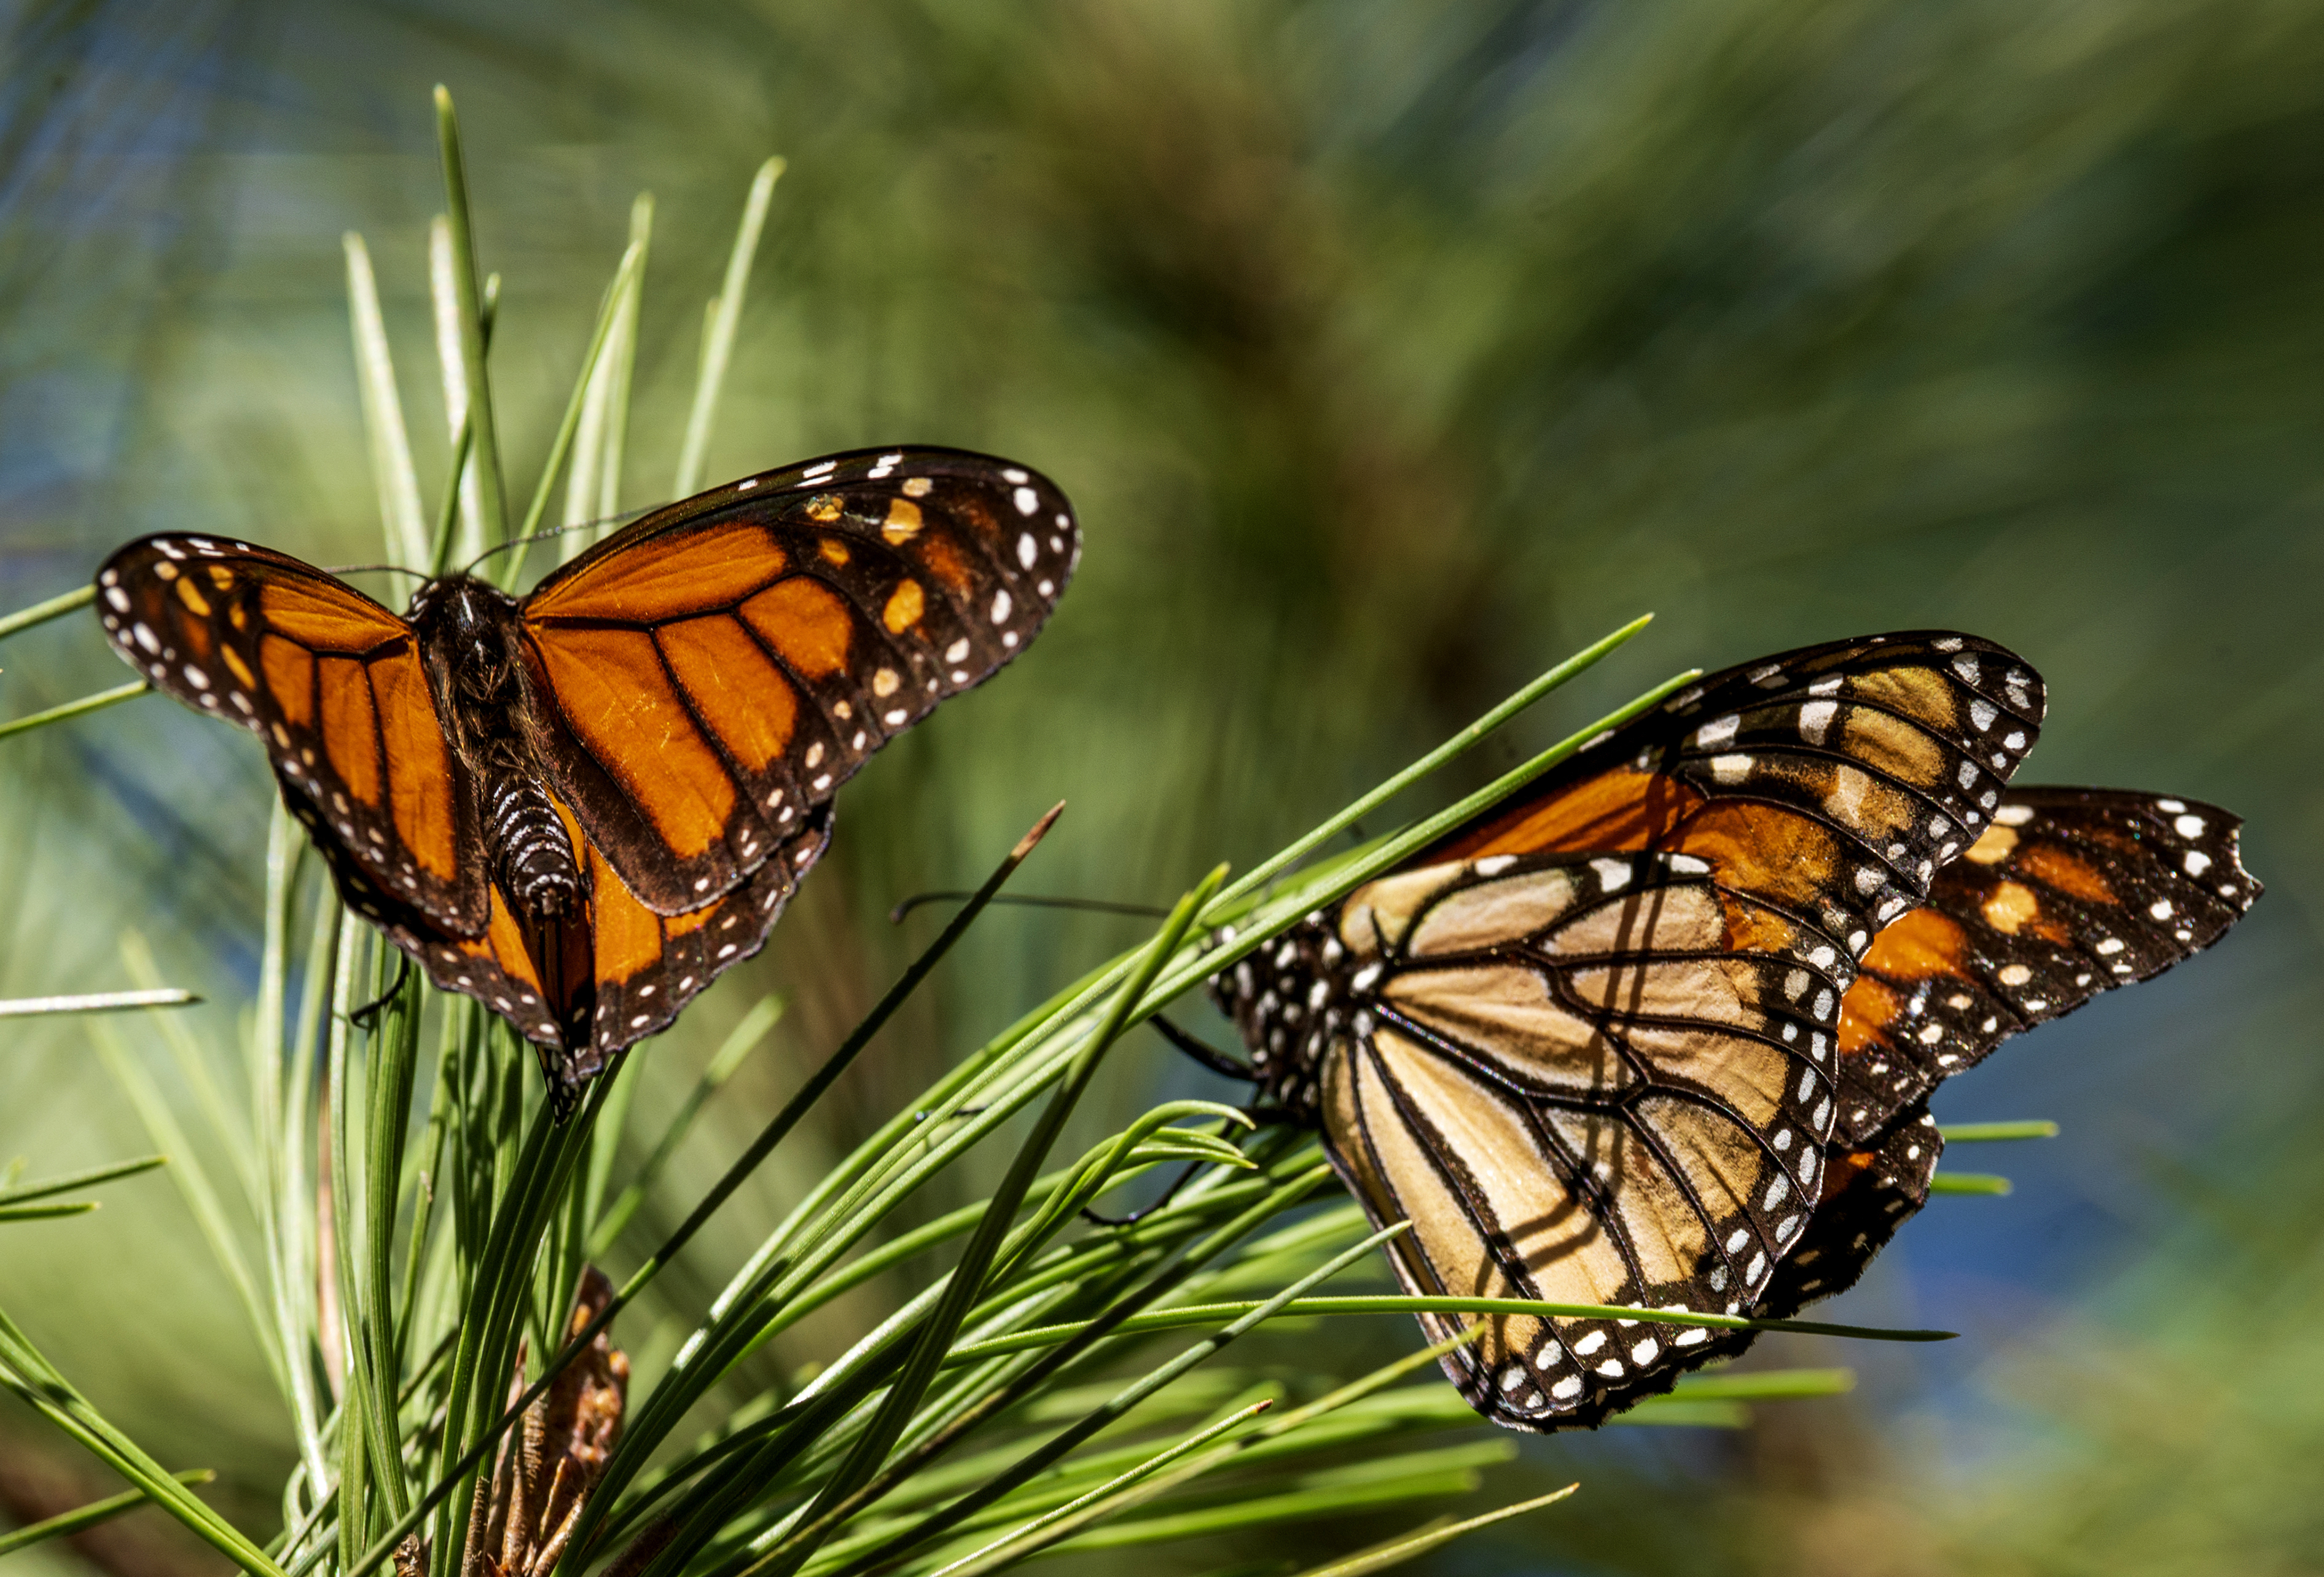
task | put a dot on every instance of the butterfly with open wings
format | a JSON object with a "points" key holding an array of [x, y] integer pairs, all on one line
{"points": [[580, 807], [1659, 1031]]}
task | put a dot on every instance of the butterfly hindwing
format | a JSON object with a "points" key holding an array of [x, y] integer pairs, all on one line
{"points": [[1868, 1192], [1589, 1080], [333, 683], [2067, 893], [718, 669]]}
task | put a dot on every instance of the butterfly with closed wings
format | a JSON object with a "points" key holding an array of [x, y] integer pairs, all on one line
{"points": [[580, 807], [1659, 1031]]}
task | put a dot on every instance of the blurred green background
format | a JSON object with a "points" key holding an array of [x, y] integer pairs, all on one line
{"points": [[1390, 352]]}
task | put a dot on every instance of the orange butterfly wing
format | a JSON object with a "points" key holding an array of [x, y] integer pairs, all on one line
{"points": [[332, 682], [712, 673]]}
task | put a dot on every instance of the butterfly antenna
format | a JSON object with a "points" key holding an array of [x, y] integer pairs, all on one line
{"points": [[347, 569], [1096, 906], [470, 568]]}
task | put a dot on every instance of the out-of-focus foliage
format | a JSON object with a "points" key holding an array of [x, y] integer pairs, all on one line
{"points": [[1388, 352]]}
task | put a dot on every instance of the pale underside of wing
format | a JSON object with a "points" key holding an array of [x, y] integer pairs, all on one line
{"points": [[1598, 1081]]}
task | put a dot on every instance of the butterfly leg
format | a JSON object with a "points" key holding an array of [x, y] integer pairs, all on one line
{"points": [[1209, 1057], [367, 1018]]}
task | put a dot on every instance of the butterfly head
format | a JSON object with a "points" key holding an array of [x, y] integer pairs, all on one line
{"points": [[467, 627]]}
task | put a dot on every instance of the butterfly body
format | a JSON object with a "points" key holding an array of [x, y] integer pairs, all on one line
{"points": [[470, 641], [1659, 1030], [580, 806]]}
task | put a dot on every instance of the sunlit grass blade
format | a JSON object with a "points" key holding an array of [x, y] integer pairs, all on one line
{"points": [[98, 1002], [1051, 1526], [65, 1183], [79, 1519], [38, 1384], [466, 290], [1205, 1314], [1452, 750], [80, 708], [1115, 1406], [718, 334], [608, 312], [1963, 1133], [155, 1110], [967, 1278], [1766, 1385], [46, 1211], [56, 607], [1409, 1547], [593, 491], [1362, 1488], [399, 514], [745, 1038], [1985, 1183]]}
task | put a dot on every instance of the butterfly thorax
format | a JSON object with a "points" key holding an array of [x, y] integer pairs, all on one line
{"points": [[469, 636]]}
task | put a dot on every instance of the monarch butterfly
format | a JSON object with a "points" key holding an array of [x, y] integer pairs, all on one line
{"points": [[1660, 1031], [580, 808]]}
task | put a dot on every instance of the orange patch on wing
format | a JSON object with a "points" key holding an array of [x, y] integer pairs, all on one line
{"points": [[2009, 907], [667, 577], [1993, 846], [239, 669], [613, 691], [421, 786], [628, 935], [196, 604], [834, 550], [290, 678], [1751, 929], [505, 942], [941, 558], [904, 608], [806, 620], [1865, 1014], [350, 735], [327, 618], [1766, 851], [680, 925], [2046, 863], [903, 522], [1923, 944], [1618, 810], [748, 702]]}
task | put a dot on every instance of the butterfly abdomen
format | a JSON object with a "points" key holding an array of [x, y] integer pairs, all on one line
{"points": [[532, 856]]}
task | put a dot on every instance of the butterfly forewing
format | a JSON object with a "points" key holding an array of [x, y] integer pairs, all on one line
{"points": [[1832, 781], [332, 682], [2068, 892], [720, 669]]}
